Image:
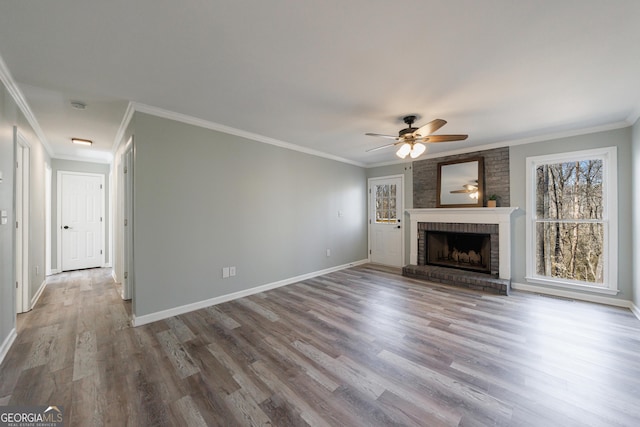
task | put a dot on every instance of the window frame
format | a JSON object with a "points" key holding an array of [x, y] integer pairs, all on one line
{"points": [[608, 155]]}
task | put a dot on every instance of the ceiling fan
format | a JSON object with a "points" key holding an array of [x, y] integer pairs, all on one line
{"points": [[470, 189], [411, 139]]}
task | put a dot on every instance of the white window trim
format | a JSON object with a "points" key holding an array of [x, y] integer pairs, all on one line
{"points": [[609, 155]]}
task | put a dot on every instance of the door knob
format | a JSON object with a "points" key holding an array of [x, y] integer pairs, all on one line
{"points": [[398, 226], [66, 227]]}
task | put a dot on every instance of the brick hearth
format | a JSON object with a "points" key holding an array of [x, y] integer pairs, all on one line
{"points": [[456, 277]]}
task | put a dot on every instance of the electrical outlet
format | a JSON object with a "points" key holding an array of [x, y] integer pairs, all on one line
{"points": [[328, 252], [225, 272], [37, 270], [232, 271]]}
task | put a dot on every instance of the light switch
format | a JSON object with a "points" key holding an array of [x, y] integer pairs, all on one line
{"points": [[3, 213], [3, 220]]}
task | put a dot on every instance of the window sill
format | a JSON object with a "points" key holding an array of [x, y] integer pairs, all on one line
{"points": [[574, 286]]}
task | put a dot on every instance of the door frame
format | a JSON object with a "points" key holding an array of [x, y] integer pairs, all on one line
{"points": [[370, 214], [22, 157], [59, 214], [128, 279], [48, 176]]}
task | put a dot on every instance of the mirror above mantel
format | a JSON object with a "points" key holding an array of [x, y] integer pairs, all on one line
{"points": [[460, 183]]}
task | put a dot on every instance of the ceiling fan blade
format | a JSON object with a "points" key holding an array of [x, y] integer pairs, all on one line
{"points": [[382, 136], [444, 138], [380, 148], [429, 128]]}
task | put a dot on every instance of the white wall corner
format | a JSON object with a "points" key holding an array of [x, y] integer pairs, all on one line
{"points": [[7, 343], [176, 311], [635, 310]]}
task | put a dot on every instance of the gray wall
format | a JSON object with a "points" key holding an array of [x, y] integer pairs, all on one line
{"points": [[7, 289], [84, 167], [620, 138], [635, 200], [10, 115], [205, 200], [38, 157]]}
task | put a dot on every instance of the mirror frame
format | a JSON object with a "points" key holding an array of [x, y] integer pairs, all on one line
{"points": [[480, 201]]}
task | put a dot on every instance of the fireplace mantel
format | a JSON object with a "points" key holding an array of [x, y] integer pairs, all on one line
{"points": [[500, 216]]}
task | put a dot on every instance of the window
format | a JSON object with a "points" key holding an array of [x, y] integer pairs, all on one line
{"points": [[572, 220], [386, 203]]}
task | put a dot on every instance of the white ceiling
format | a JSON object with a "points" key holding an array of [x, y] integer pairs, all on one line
{"points": [[321, 74]]}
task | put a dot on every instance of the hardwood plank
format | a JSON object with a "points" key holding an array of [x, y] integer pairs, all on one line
{"points": [[177, 355], [85, 361], [246, 410], [218, 316], [189, 412], [306, 411], [179, 329]]}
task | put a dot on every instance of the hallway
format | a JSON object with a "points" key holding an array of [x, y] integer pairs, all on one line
{"points": [[76, 337]]}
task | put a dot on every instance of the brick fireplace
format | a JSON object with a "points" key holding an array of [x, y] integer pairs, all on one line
{"points": [[468, 247]]}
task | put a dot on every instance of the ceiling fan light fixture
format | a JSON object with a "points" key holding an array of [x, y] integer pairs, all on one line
{"points": [[411, 139], [404, 150], [418, 149]]}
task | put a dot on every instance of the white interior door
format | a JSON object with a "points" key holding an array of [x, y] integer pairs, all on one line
{"points": [[386, 211], [22, 224], [81, 220]]}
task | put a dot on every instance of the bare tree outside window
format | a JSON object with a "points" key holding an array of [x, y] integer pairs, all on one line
{"points": [[569, 229]]}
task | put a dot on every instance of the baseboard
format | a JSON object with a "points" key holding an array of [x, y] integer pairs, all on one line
{"points": [[6, 345], [114, 276], [38, 293], [53, 271], [635, 310], [160, 315], [573, 295]]}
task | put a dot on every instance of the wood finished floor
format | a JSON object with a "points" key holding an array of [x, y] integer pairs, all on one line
{"points": [[359, 347]]}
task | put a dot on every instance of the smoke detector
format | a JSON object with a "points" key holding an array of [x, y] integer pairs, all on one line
{"points": [[77, 105]]}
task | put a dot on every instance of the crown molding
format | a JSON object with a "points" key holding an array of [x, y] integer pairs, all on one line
{"points": [[633, 117], [21, 102], [183, 118], [107, 159], [126, 119]]}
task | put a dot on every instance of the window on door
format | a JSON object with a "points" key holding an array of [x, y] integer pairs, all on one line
{"points": [[572, 216], [386, 206]]}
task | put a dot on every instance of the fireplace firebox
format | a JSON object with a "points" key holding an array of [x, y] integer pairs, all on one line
{"points": [[466, 251]]}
